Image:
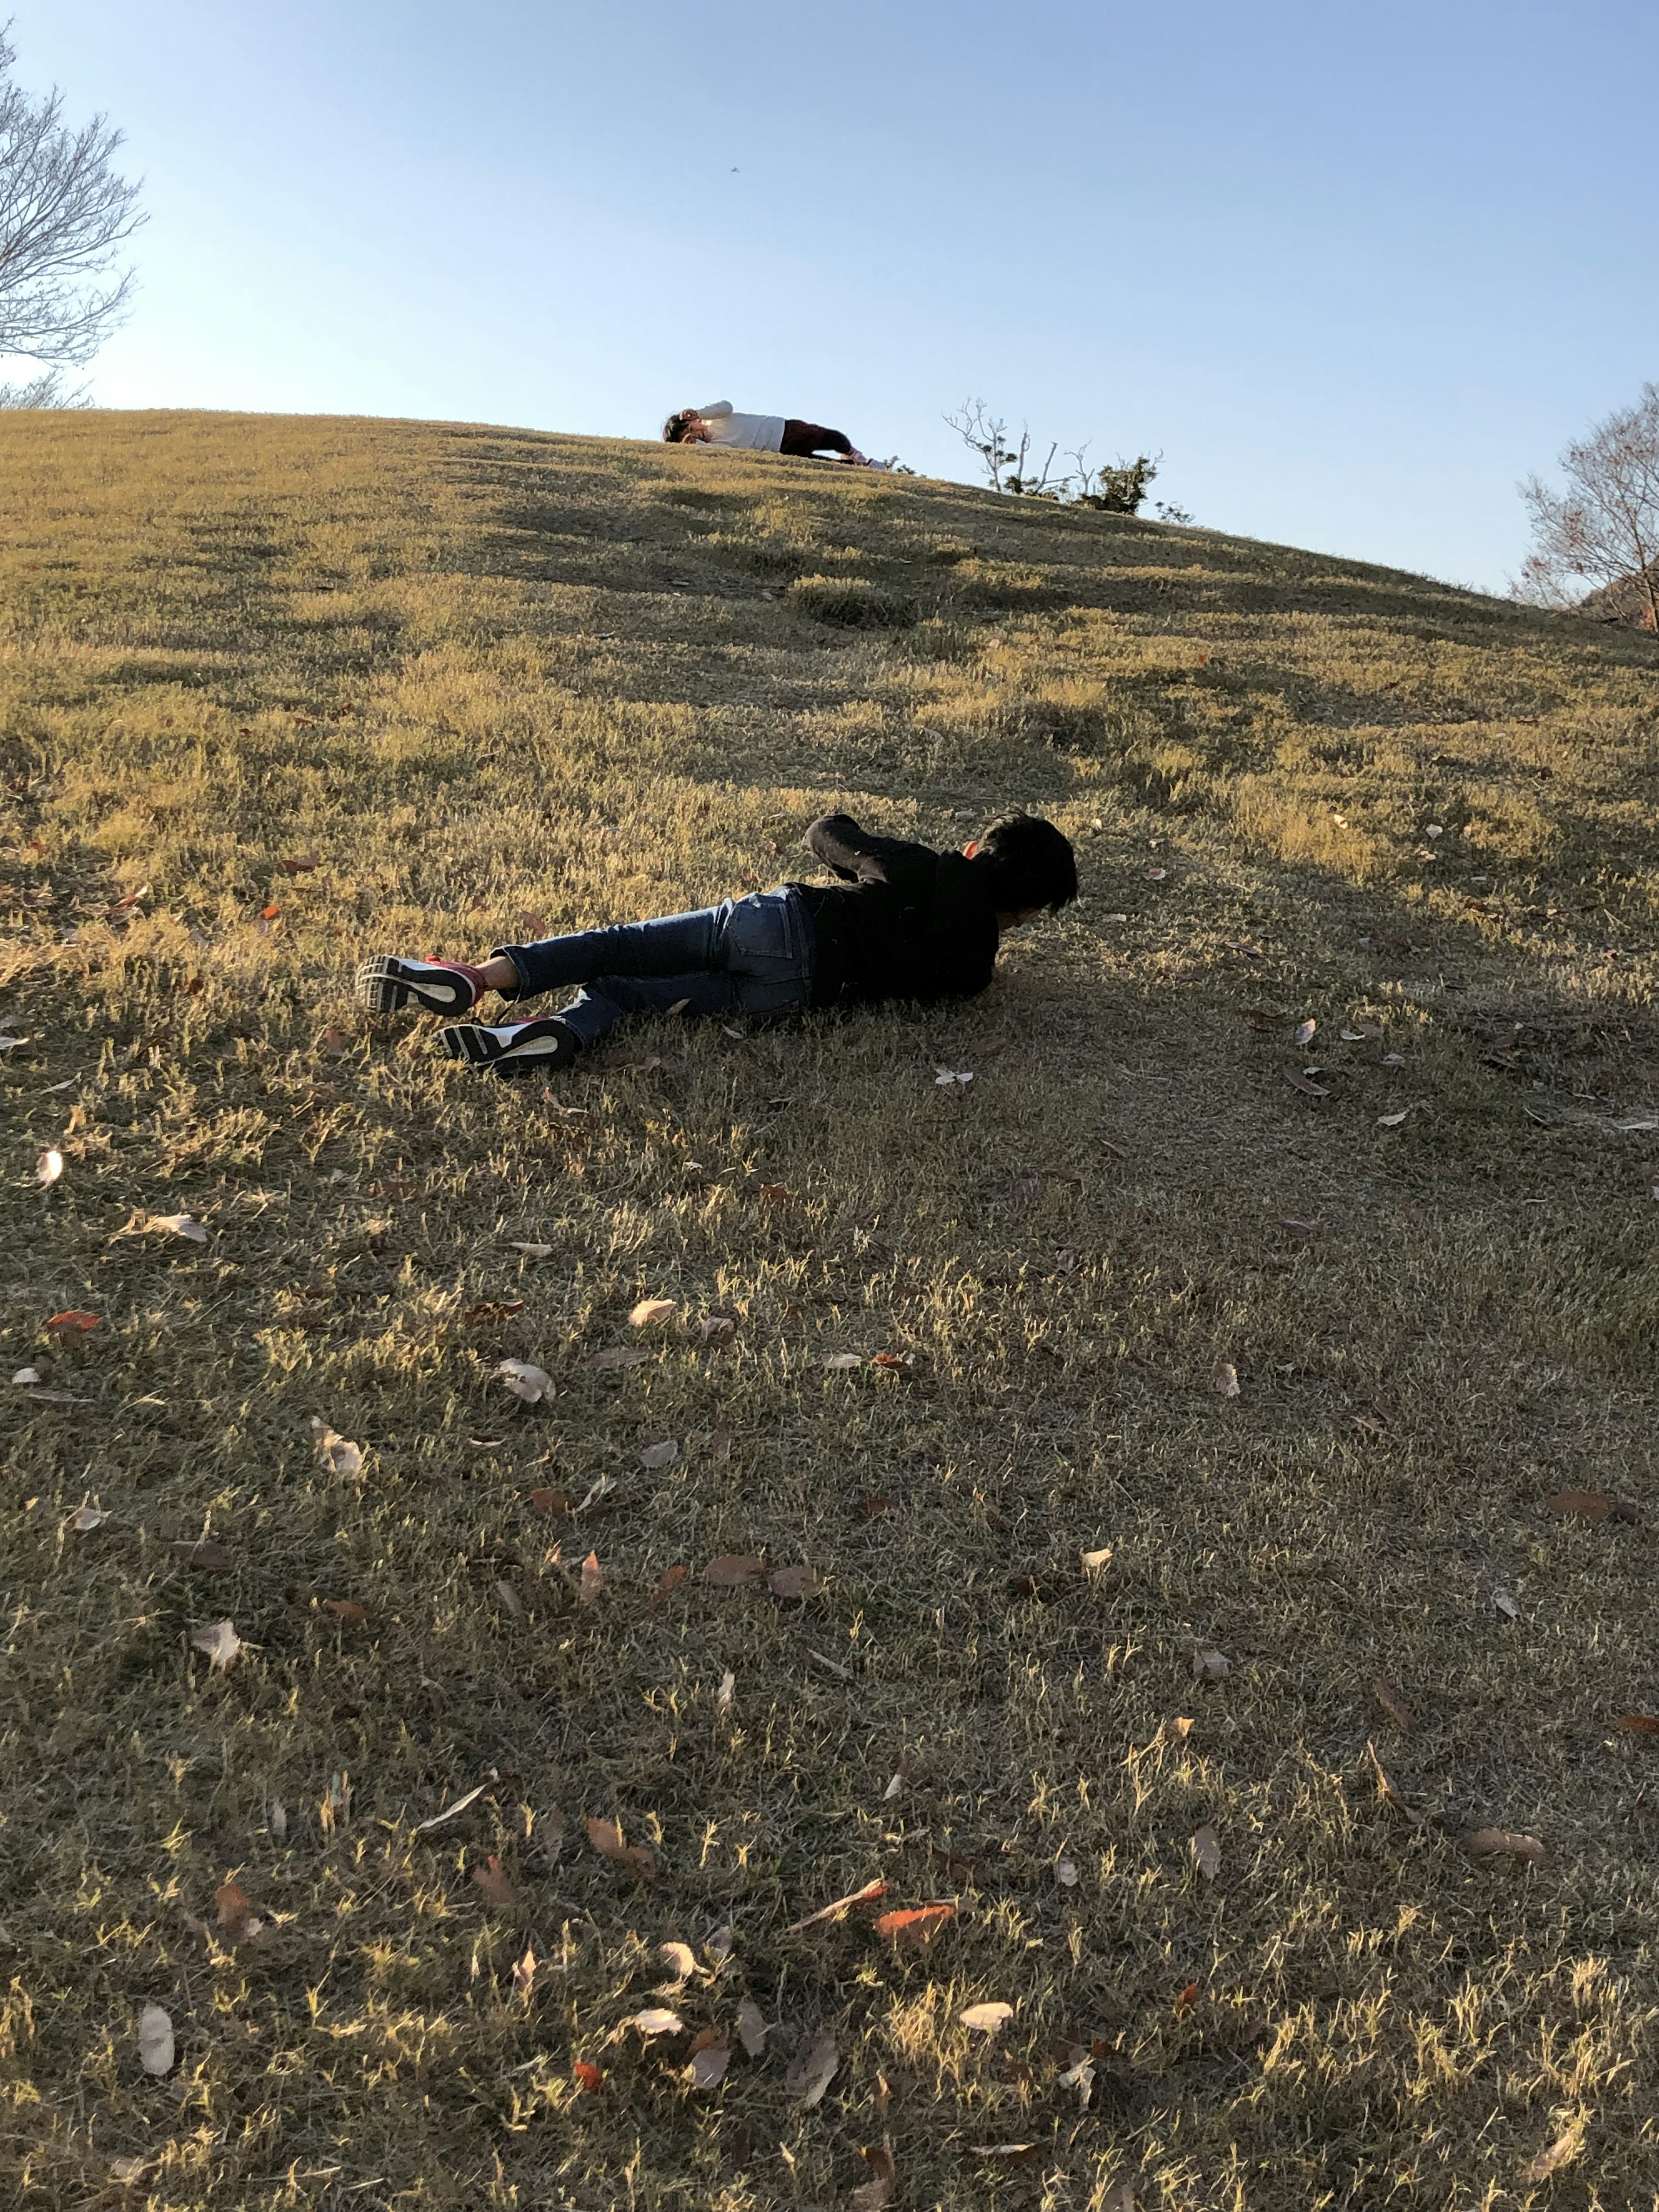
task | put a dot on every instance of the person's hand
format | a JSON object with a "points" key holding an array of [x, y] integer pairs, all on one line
{"points": [[694, 433]]}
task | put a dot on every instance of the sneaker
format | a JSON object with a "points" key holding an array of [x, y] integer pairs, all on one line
{"points": [[385, 986], [517, 1049]]}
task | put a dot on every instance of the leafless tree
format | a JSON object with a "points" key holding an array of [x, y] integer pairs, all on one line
{"points": [[63, 215], [1008, 468], [1604, 528]]}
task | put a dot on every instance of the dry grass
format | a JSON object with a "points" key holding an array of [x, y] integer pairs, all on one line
{"points": [[484, 676]]}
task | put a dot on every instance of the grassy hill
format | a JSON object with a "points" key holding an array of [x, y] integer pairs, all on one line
{"points": [[274, 692]]}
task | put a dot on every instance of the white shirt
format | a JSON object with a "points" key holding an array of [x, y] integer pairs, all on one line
{"points": [[752, 434]]}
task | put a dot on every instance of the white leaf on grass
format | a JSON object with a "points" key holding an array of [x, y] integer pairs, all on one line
{"points": [[650, 1310], [1506, 1604], [813, 2067], [893, 1787], [680, 1958], [525, 1380], [719, 1942], [425, 1827], [336, 1454], [219, 1642], [25, 1376], [1207, 1853], [751, 2028], [178, 1224], [1392, 1121], [49, 1166], [660, 1455], [986, 2018], [655, 2020], [595, 1491], [157, 2047], [1211, 1666], [706, 2069], [1223, 1379], [532, 1251], [1305, 1032], [87, 1518], [725, 1696], [842, 1362], [943, 1076]]}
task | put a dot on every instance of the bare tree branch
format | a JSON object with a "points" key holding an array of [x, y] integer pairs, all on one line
{"points": [[63, 213], [1604, 528]]}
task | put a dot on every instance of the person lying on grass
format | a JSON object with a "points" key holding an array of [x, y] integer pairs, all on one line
{"points": [[901, 923], [719, 425]]}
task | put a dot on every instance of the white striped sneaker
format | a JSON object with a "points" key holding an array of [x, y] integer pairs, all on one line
{"points": [[516, 1048], [385, 985]]}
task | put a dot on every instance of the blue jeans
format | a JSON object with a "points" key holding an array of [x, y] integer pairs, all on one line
{"points": [[749, 956]]}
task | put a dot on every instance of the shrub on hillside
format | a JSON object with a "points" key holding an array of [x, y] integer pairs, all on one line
{"points": [[1120, 489], [852, 601]]}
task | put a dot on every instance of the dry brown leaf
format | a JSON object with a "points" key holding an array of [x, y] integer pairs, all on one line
{"points": [[303, 863], [619, 1355], [876, 2194], [751, 2028], [238, 1922], [680, 1958], [842, 1362], [449, 1812], [813, 2067], [1009, 2153], [85, 1518], [1223, 1379], [660, 1455], [655, 2020], [1389, 1701], [1304, 1031], [49, 1166], [1562, 2151], [523, 1974], [1181, 1727], [494, 1883], [510, 1598], [795, 1582], [1207, 1853], [873, 1509], [986, 2019], [868, 1895], [76, 1322], [650, 1310], [336, 1454], [1501, 1844], [732, 1569], [1385, 1787], [1580, 1504], [1638, 1724], [219, 1641], [1211, 1666], [347, 1611], [157, 2047], [525, 1380], [1299, 1082], [718, 1329], [205, 1556], [1096, 1562], [592, 1581], [710, 2055], [720, 1442], [606, 1838], [916, 1924], [549, 1501], [178, 1224], [670, 1579]]}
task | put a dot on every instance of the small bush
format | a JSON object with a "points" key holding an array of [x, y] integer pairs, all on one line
{"points": [[852, 601]]}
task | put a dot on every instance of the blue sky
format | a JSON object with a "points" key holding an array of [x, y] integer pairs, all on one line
{"points": [[1352, 269]]}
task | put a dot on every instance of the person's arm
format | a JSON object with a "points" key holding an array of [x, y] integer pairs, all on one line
{"points": [[713, 414], [859, 856], [958, 953]]}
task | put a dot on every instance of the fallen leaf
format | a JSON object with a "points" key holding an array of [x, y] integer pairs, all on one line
{"points": [[1156, 875], [1392, 1121], [1305, 1032], [128, 2169], [1066, 1873], [1637, 1723], [269, 913], [914, 1925], [1384, 1787], [680, 1958], [1361, 1036], [1095, 1562], [346, 1611], [1580, 1504], [1187, 1997], [896, 1363], [831, 1666], [720, 1442], [751, 2028], [943, 1076], [178, 1224], [1562, 2151], [725, 1696], [1181, 1727], [1392, 1060], [449, 1813], [220, 1642], [813, 2067], [732, 1569], [1011, 2154], [795, 1582], [490, 1313], [28, 1375], [1207, 1853], [842, 1362], [595, 1491], [618, 1355], [494, 1883], [85, 1518], [532, 1251], [525, 1381], [1122, 2195], [76, 1322], [590, 2080], [671, 1578], [662, 1455], [606, 1838], [650, 1310], [207, 1557], [873, 1509], [868, 1895], [986, 2018], [336, 1454], [873, 2196], [1211, 1666], [549, 1501], [710, 2055], [1506, 1604], [718, 1944], [1500, 1844], [238, 1922], [156, 2047], [523, 1974], [301, 865], [655, 2020], [1391, 1705], [510, 1598], [1298, 1082], [1223, 1379], [718, 1329], [49, 1166]]}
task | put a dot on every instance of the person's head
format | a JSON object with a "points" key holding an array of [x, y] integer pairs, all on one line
{"points": [[1029, 866], [675, 427]]}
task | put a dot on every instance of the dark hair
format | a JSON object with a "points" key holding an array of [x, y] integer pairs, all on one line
{"points": [[1028, 863], [674, 428]]}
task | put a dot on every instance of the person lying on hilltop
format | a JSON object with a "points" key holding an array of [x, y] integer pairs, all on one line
{"points": [[760, 433], [902, 922]]}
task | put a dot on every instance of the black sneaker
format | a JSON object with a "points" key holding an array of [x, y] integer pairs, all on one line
{"points": [[385, 985], [517, 1048]]}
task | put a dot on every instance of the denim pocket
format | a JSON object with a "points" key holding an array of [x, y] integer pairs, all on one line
{"points": [[763, 934]]}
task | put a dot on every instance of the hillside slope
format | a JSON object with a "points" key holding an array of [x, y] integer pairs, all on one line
{"points": [[275, 692]]}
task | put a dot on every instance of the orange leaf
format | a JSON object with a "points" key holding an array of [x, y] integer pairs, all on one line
{"points": [[593, 1578], [589, 2079], [238, 1922], [1581, 1505], [549, 1501], [1186, 1997], [66, 1324], [670, 1579], [606, 1838], [497, 1889], [297, 866], [269, 913], [346, 1611], [914, 1925]]}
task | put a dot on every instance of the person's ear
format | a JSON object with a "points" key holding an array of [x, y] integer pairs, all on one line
{"points": [[971, 848]]}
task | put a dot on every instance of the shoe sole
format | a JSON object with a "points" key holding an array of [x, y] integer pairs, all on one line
{"points": [[385, 986], [539, 1048]]}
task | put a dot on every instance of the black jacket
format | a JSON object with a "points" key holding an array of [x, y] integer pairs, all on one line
{"points": [[904, 922]]}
